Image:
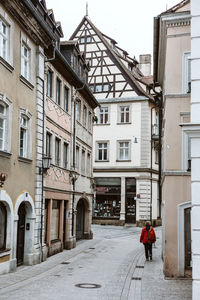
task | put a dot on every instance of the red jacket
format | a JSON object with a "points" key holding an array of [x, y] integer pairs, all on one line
{"points": [[147, 238]]}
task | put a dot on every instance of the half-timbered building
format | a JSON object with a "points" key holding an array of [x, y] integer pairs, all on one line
{"points": [[125, 157]]}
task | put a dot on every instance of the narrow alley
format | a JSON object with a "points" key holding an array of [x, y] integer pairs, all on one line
{"points": [[111, 266]]}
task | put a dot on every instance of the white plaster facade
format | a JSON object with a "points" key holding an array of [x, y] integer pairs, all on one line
{"points": [[195, 145]]}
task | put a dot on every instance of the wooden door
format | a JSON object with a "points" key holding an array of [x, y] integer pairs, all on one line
{"points": [[80, 218], [21, 234]]}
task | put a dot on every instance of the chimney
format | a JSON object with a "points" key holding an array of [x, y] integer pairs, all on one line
{"points": [[145, 64]]}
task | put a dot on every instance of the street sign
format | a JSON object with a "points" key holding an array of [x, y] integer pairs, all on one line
{"points": [[138, 196]]}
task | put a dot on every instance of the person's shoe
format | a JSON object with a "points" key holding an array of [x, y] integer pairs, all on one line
{"points": [[147, 259], [150, 257]]}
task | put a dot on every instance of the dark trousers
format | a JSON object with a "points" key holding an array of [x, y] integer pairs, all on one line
{"points": [[148, 250]]}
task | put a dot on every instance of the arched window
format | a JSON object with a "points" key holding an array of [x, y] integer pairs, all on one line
{"points": [[3, 224]]}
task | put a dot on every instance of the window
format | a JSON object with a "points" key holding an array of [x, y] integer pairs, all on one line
{"points": [[89, 120], [55, 220], [49, 83], [189, 155], [99, 88], [156, 156], [5, 123], [82, 40], [57, 152], [186, 72], [65, 155], [3, 225], [88, 39], [124, 114], [92, 88], [48, 144], [58, 84], [78, 110], [84, 115], [103, 115], [66, 99], [4, 40], [106, 87], [77, 157], [102, 151], [25, 61], [123, 150], [83, 162], [23, 148], [88, 164], [2, 125]]}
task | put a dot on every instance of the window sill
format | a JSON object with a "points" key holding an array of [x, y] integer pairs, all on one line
{"points": [[119, 123], [102, 160], [26, 82], [25, 160], [6, 64], [5, 154], [119, 160], [102, 124]]}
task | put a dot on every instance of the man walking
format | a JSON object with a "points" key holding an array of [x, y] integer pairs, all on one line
{"points": [[148, 237]]}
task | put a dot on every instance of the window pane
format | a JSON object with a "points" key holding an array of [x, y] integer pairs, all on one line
{"points": [[77, 157], [83, 162], [49, 84], [66, 99], [55, 220], [65, 155], [2, 109], [58, 91], [57, 152]]}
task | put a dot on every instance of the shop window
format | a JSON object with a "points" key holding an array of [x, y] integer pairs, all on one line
{"points": [[55, 220], [3, 224], [108, 195]]}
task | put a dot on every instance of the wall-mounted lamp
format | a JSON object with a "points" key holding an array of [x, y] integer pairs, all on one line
{"points": [[135, 141], [2, 179], [73, 175], [46, 162]]}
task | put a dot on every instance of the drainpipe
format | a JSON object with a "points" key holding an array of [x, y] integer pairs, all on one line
{"points": [[151, 170]]}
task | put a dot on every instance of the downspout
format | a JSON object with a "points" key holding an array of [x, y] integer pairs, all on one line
{"points": [[151, 170]]}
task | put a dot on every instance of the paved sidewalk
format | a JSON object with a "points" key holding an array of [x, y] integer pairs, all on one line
{"points": [[155, 286]]}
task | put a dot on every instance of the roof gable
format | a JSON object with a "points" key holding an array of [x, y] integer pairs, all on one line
{"points": [[111, 67]]}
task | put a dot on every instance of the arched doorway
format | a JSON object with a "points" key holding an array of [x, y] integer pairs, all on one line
{"points": [[80, 219], [21, 233]]}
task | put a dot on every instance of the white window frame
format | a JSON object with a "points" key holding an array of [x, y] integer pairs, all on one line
{"points": [[186, 75], [27, 151], [4, 101], [186, 148], [4, 18], [102, 112], [25, 42], [125, 112], [25, 61], [103, 148], [124, 149]]}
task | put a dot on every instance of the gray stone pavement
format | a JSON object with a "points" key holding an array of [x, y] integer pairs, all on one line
{"points": [[114, 259]]}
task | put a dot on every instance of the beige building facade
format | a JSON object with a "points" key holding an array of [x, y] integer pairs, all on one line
{"points": [[172, 73]]}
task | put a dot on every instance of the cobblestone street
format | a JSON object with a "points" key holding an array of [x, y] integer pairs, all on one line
{"points": [[113, 260]]}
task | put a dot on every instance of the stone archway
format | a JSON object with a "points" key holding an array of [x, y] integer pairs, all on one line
{"points": [[24, 217]]}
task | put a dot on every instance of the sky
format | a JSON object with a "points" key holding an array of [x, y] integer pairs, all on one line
{"points": [[128, 22]]}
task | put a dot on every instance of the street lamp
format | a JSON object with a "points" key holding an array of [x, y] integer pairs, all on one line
{"points": [[2, 179], [46, 162]]}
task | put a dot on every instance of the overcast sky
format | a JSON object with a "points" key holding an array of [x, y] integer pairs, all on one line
{"points": [[128, 22]]}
